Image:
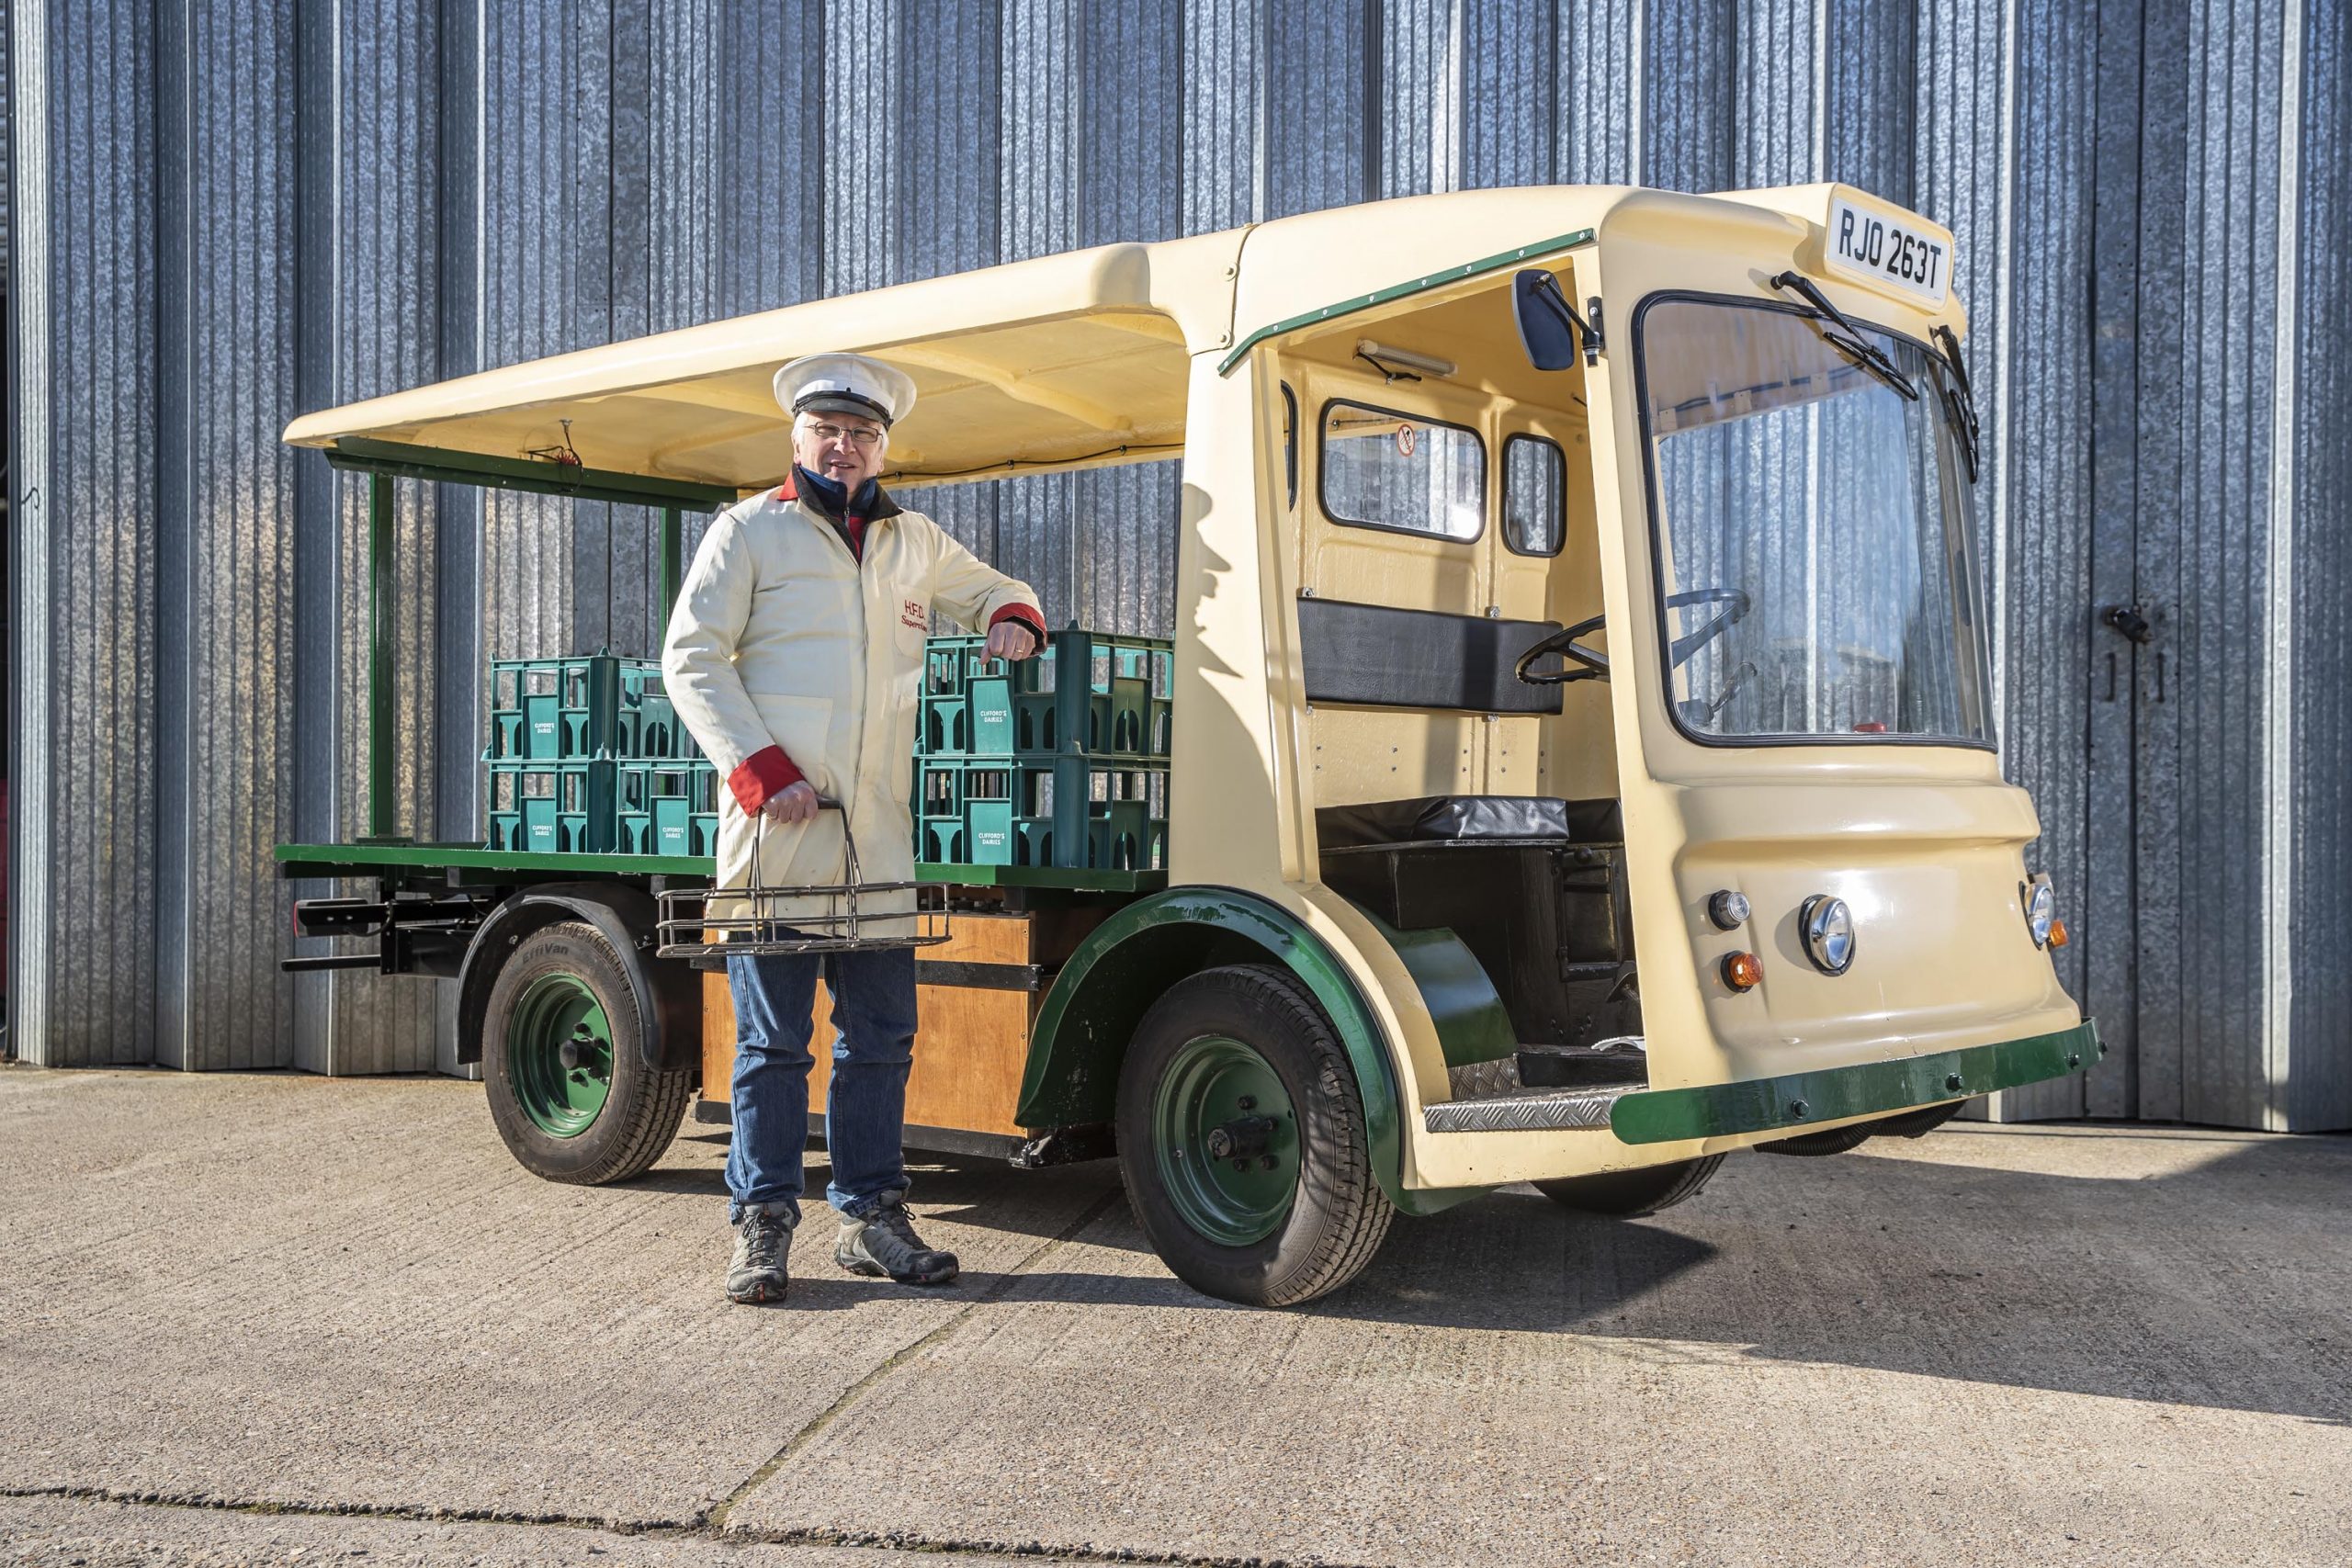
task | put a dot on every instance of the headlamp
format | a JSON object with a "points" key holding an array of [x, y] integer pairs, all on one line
{"points": [[1827, 928], [2040, 908]]}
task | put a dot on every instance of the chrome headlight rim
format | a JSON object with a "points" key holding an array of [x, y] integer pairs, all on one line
{"points": [[1825, 932], [2039, 899]]}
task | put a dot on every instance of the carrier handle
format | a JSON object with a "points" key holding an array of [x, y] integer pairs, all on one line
{"points": [[849, 842]]}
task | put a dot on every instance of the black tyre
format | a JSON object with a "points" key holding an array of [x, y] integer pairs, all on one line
{"points": [[1629, 1194], [1917, 1123], [1844, 1140], [1834, 1141], [561, 1053], [1242, 1142]]}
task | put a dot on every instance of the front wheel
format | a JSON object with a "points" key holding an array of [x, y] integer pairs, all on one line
{"points": [[564, 1061], [1630, 1194], [1242, 1141]]}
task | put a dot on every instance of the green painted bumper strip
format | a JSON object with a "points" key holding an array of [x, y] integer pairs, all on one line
{"points": [[1805, 1099], [1400, 291]]}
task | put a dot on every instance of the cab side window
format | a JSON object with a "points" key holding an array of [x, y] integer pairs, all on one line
{"points": [[1535, 495], [1380, 469]]}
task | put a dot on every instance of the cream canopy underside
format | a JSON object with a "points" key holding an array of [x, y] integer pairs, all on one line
{"points": [[1048, 362]]}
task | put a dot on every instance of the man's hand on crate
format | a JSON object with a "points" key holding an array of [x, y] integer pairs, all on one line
{"points": [[1011, 639], [796, 803]]}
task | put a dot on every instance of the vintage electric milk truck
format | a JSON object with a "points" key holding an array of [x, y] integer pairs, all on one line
{"points": [[1576, 756]]}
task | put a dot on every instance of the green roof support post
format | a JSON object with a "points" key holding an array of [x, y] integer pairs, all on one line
{"points": [[673, 537], [379, 656]]}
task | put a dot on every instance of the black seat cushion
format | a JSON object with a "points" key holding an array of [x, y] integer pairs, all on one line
{"points": [[1452, 818]]}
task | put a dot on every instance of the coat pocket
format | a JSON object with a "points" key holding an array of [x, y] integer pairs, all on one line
{"points": [[803, 726]]}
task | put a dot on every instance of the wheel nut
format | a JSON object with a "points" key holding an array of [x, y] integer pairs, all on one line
{"points": [[1269, 1162], [1249, 1102], [1242, 1164]]}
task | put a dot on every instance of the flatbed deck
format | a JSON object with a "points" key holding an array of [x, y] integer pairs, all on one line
{"points": [[376, 857]]}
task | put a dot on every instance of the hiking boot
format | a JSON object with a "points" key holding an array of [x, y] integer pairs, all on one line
{"points": [[886, 1247], [762, 1237]]}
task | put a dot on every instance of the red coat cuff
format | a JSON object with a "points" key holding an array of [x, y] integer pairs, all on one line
{"points": [[1027, 617], [763, 776]]}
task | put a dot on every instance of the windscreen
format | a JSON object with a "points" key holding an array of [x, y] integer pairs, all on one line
{"points": [[1814, 531]]}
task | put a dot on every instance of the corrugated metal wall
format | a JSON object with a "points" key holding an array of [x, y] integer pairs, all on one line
{"points": [[269, 207]]}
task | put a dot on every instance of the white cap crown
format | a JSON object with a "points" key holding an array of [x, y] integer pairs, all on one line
{"points": [[845, 383]]}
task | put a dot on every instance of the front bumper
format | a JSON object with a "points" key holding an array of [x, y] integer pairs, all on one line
{"points": [[1837, 1094]]}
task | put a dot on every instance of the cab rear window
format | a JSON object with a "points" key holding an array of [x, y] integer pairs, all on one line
{"points": [[1535, 493], [1385, 469]]}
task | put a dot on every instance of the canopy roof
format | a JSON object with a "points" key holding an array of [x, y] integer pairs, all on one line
{"points": [[1065, 361], [1057, 362]]}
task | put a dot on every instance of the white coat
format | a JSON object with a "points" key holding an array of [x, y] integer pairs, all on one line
{"points": [[782, 637]]}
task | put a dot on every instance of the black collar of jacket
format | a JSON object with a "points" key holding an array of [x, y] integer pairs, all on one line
{"points": [[813, 497]]}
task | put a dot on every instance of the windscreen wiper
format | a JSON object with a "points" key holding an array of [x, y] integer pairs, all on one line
{"points": [[1959, 398], [1848, 339]]}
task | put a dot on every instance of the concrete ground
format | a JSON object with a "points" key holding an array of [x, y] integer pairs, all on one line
{"points": [[280, 1318]]}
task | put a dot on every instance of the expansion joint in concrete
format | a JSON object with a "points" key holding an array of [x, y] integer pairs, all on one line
{"points": [[667, 1530], [717, 1516]]}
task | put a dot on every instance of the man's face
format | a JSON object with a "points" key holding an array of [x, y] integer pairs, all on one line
{"points": [[844, 447]]}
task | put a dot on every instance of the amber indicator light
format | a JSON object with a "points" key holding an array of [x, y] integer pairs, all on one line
{"points": [[1741, 971], [2057, 933]]}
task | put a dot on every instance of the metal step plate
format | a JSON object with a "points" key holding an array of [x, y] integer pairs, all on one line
{"points": [[1526, 1110]]}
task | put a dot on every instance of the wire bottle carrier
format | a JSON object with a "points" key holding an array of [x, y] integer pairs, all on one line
{"points": [[709, 925]]}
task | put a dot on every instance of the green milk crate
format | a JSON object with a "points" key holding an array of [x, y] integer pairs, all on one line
{"points": [[550, 710], [1089, 694], [964, 812], [1100, 695], [577, 709], [647, 725], [1083, 815], [555, 807], [1070, 812]]}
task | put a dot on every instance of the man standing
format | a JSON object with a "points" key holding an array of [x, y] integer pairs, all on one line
{"points": [[794, 656]]}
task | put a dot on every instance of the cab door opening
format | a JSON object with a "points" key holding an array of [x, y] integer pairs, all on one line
{"points": [[1445, 527]]}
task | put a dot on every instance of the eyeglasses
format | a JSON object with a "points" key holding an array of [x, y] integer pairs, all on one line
{"points": [[864, 437]]}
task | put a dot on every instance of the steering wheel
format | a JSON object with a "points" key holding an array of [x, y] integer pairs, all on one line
{"points": [[1575, 663], [1585, 664], [1690, 642]]}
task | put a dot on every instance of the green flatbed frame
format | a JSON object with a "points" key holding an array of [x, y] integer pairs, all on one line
{"points": [[392, 857]]}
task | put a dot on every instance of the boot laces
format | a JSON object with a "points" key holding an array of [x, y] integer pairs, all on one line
{"points": [[766, 1236], [897, 1234]]}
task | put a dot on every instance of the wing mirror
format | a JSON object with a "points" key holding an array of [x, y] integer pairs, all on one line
{"points": [[1549, 327]]}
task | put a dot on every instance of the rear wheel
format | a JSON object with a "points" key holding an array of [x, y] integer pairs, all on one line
{"points": [[564, 1063], [1242, 1141], [1629, 1194]]}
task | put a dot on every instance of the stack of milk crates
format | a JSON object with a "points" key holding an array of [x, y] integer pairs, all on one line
{"points": [[588, 756], [1060, 761]]}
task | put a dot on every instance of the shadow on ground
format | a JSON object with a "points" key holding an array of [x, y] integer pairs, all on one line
{"points": [[2223, 1286]]}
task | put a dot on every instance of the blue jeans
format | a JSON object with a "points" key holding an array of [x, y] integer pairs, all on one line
{"points": [[874, 1018]]}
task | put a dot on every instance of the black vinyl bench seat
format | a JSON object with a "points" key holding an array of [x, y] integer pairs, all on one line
{"points": [[1471, 818]]}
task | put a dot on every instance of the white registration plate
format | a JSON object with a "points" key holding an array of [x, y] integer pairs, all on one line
{"points": [[1885, 252]]}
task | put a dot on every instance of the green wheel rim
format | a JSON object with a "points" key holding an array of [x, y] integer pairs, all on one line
{"points": [[559, 1015], [1217, 1083]]}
